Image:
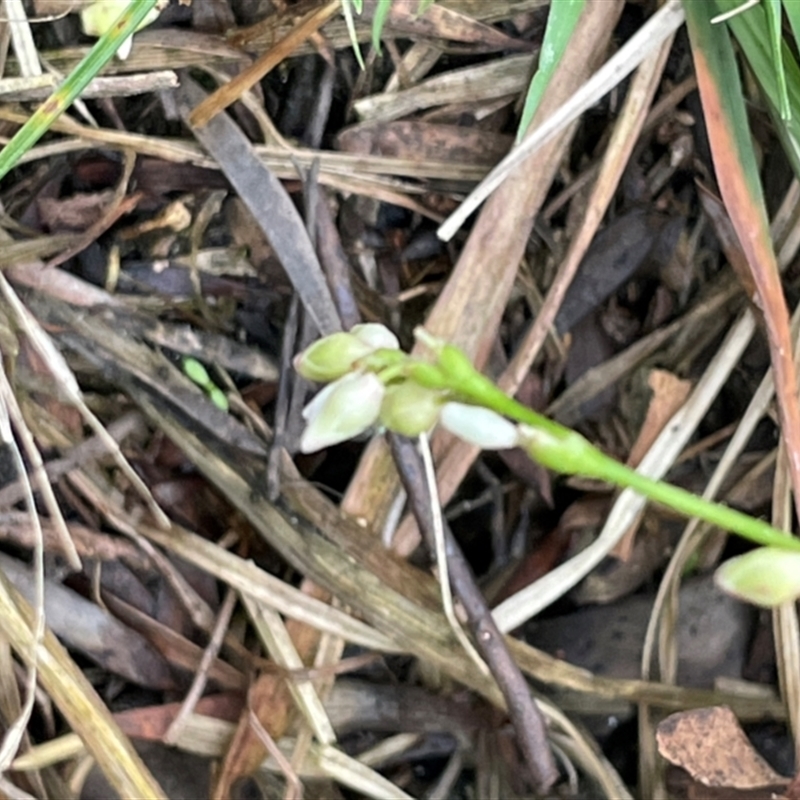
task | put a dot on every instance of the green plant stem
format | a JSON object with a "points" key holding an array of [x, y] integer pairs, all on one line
{"points": [[563, 450], [58, 102]]}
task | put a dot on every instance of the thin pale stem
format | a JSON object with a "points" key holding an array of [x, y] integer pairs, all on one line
{"points": [[563, 450]]}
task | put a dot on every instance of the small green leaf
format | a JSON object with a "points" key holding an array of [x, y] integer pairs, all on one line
{"points": [[218, 397], [378, 21], [196, 372], [766, 577]]}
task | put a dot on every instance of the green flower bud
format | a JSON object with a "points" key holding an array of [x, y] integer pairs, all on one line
{"points": [[561, 449], [455, 369], [331, 357], [479, 426], [767, 576], [410, 409], [334, 356], [456, 365], [342, 410]]}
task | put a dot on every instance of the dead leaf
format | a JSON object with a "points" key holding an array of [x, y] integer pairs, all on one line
{"points": [[711, 746], [669, 394], [438, 22], [74, 213], [425, 141]]}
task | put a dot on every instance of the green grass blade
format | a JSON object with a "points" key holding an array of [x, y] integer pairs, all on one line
{"points": [[751, 30], [64, 96], [561, 22], [792, 9], [378, 21], [348, 6], [737, 174], [772, 10]]}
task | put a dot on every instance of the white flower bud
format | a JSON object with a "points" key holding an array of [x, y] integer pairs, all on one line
{"points": [[341, 411], [375, 336], [479, 426]]}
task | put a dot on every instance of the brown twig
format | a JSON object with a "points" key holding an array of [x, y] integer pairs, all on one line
{"points": [[525, 716]]}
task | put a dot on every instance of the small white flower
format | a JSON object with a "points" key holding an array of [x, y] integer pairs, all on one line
{"points": [[479, 426], [376, 336], [342, 410]]}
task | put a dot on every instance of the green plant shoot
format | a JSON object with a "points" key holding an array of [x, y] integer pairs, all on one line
{"points": [[382, 9], [198, 374], [379, 20]]}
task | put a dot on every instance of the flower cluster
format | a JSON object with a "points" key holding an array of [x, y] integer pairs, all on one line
{"points": [[372, 382]]}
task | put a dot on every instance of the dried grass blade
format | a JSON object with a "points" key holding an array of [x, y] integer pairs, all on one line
{"points": [[76, 699], [230, 92], [269, 204], [276, 639], [66, 381], [22, 39]]}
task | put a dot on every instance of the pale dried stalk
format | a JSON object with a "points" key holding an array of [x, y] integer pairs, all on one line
{"points": [[8, 408], [279, 645], [76, 698], [61, 372], [42, 86]]}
